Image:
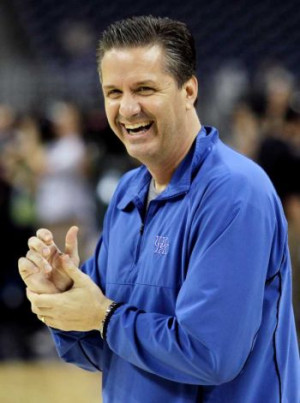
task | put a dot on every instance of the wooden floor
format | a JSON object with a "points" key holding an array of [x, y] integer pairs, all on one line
{"points": [[48, 382]]}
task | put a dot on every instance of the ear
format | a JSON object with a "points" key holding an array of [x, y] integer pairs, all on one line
{"points": [[191, 92]]}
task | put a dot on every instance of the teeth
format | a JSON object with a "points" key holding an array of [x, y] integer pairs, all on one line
{"points": [[137, 125]]}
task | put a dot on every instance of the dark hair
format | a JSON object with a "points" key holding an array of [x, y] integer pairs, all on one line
{"points": [[173, 36]]}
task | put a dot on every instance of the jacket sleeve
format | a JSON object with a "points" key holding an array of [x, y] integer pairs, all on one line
{"points": [[84, 349], [219, 306]]}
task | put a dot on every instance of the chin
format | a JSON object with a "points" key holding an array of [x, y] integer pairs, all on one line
{"points": [[142, 155]]}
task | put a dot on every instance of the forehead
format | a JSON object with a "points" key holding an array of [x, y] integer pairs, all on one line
{"points": [[134, 63]]}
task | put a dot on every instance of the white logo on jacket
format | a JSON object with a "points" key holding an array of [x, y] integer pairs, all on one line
{"points": [[161, 245]]}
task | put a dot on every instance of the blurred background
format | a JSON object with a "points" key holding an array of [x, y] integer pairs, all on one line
{"points": [[60, 163]]}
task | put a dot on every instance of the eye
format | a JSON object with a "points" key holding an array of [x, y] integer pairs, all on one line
{"points": [[145, 90], [114, 93]]}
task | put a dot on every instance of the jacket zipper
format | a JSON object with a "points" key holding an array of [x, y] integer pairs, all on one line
{"points": [[138, 248], [142, 214]]}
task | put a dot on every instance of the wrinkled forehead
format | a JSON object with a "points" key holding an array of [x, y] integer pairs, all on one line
{"points": [[148, 59]]}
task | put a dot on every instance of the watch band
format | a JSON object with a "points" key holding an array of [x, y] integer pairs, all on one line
{"points": [[108, 314]]}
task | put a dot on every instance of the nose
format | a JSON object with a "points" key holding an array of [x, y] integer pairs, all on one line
{"points": [[129, 106]]}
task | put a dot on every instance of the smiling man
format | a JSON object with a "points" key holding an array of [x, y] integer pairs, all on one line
{"points": [[144, 106], [187, 297]]}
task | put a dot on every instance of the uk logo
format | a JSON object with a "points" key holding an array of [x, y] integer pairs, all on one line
{"points": [[161, 245]]}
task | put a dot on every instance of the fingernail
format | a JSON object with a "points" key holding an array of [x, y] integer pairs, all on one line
{"points": [[48, 268], [46, 251]]}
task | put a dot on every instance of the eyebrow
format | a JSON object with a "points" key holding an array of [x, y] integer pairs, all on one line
{"points": [[137, 84], [145, 82]]}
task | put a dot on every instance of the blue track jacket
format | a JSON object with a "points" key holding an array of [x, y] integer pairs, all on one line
{"points": [[205, 278]]}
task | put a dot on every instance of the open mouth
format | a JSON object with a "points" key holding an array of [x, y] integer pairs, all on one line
{"points": [[138, 128]]}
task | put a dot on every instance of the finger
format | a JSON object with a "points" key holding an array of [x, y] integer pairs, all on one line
{"points": [[41, 311], [72, 270], [39, 261], [41, 318], [45, 319], [71, 245], [46, 236], [53, 323], [40, 301], [26, 267], [37, 245]]}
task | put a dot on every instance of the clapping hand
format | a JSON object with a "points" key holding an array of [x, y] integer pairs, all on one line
{"points": [[61, 295], [42, 269]]}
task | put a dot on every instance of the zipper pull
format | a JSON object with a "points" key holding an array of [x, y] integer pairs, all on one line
{"points": [[142, 229]]}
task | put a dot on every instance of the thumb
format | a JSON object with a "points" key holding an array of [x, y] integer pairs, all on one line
{"points": [[71, 244], [72, 270]]}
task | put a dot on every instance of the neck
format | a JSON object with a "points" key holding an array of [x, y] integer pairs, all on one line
{"points": [[162, 173]]}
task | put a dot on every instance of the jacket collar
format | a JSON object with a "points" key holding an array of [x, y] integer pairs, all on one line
{"points": [[182, 177]]}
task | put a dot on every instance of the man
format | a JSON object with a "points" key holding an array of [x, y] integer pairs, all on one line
{"points": [[191, 283]]}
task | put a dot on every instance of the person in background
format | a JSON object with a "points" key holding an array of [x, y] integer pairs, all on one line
{"points": [[63, 193], [275, 84], [18, 156], [187, 297], [279, 155], [245, 130]]}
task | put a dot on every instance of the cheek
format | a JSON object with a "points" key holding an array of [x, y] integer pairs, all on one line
{"points": [[111, 112], [155, 109]]}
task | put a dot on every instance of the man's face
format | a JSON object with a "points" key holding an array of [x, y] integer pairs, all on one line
{"points": [[144, 106]]}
